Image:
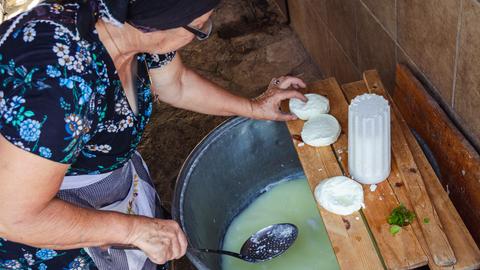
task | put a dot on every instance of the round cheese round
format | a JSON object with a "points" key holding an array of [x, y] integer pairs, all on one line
{"points": [[315, 106], [339, 195], [322, 130]]}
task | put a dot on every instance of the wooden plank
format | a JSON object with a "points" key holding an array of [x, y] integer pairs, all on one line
{"points": [[433, 233], [402, 251], [397, 184], [464, 247], [348, 234], [458, 161], [462, 242]]}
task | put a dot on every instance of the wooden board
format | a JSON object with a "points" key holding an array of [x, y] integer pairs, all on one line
{"points": [[348, 234], [433, 233], [466, 252], [458, 161], [402, 251], [464, 247], [357, 88]]}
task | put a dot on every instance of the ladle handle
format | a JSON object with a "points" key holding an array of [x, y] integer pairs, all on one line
{"points": [[216, 251], [125, 247], [206, 250]]}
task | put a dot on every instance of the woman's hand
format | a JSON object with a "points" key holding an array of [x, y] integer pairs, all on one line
{"points": [[267, 105], [162, 240]]}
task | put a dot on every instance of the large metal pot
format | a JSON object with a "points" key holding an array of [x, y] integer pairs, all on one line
{"points": [[227, 170]]}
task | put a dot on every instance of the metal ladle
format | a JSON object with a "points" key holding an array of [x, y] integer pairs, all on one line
{"points": [[264, 245]]}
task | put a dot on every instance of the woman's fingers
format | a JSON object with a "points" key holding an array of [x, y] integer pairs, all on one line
{"points": [[175, 241], [266, 106], [285, 116], [180, 247], [288, 81], [161, 240], [179, 241], [288, 94], [183, 243], [285, 82]]}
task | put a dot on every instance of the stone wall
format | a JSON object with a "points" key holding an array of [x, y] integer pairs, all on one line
{"points": [[438, 40]]}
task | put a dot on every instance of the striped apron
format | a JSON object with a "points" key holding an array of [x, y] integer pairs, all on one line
{"points": [[128, 190]]}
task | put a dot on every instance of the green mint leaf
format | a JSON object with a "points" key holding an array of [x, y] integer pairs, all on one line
{"points": [[394, 229]]}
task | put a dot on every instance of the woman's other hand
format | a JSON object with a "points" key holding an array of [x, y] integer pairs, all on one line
{"points": [[162, 240], [267, 105]]}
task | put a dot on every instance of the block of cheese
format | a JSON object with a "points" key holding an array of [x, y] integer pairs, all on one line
{"points": [[315, 106], [339, 195], [322, 130]]}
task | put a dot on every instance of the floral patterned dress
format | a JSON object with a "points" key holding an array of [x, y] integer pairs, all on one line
{"points": [[61, 98]]}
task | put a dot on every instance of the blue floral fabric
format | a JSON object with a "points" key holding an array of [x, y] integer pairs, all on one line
{"points": [[61, 98], [43, 259]]}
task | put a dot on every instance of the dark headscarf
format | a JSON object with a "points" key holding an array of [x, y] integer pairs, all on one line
{"points": [[159, 14]]}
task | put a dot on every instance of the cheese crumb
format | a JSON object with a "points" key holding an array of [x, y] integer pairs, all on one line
{"points": [[373, 188], [301, 144]]}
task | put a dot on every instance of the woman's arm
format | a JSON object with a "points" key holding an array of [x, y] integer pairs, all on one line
{"points": [[181, 87], [30, 213]]}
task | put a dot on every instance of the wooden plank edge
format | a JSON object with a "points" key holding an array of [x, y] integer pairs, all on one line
{"points": [[385, 193], [462, 242], [459, 162], [433, 233], [349, 235], [468, 258]]}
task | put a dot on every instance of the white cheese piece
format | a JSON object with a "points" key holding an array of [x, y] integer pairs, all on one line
{"points": [[373, 188], [315, 106], [322, 130], [340, 195]]}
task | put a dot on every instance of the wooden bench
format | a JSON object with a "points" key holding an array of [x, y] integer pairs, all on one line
{"points": [[363, 240]]}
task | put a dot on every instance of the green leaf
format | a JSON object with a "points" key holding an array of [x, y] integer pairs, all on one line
{"points": [[28, 113], [401, 216], [426, 220], [394, 229]]}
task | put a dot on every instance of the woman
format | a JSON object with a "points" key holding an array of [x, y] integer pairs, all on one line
{"points": [[77, 83]]}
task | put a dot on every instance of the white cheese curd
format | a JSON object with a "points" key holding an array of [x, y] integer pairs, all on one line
{"points": [[315, 106], [322, 130], [339, 195]]}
